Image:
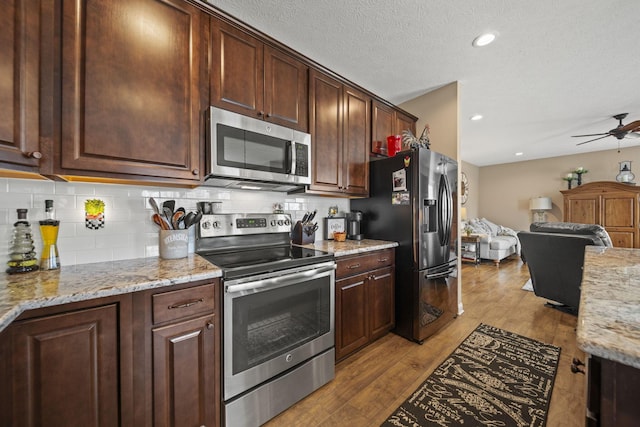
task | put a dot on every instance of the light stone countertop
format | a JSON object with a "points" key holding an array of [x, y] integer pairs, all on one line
{"points": [[37, 289], [609, 315], [350, 247]]}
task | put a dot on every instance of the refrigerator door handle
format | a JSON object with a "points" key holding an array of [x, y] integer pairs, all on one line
{"points": [[438, 275], [445, 213]]}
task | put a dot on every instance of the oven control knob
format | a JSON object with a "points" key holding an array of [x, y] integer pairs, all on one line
{"points": [[280, 222], [288, 357], [205, 225], [287, 222], [273, 222], [216, 224]]}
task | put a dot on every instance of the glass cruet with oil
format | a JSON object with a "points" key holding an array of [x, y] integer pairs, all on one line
{"points": [[49, 226]]}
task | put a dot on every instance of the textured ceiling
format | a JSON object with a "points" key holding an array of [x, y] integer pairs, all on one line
{"points": [[558, 67]]}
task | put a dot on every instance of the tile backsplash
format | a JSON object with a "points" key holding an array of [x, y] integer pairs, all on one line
{"points": [[128, 231]]}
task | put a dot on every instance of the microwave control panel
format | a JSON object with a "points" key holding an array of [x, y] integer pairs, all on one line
{"points": [[302, 160]]}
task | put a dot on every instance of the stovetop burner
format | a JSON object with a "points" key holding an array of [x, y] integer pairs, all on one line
{"points": [[248, 244]]}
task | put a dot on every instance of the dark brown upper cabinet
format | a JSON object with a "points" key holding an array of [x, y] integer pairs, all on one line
{"points": [[257, 80], [387, 121], [340, 120], [19, 85], [132, 79]]}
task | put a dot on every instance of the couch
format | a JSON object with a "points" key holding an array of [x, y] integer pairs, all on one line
{"points": [[554, 253], [496, 242]]}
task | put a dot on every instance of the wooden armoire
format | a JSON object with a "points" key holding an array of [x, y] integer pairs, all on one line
{"points": [[610, 204]]}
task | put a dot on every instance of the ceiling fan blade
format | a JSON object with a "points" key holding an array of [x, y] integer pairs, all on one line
{"points": [[631, 127], [595, 139], [591, 134]]}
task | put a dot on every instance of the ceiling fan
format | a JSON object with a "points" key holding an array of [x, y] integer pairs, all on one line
{"points": [[619, 132]]}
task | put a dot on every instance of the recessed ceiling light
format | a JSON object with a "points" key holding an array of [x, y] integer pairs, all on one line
{"points": [[476, 117], [483, 39], [519, 153]]}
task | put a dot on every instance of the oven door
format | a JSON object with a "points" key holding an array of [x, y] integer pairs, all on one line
{"points": [[275, 321]]}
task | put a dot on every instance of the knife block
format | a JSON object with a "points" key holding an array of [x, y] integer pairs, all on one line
{"points": [[301, 234]]}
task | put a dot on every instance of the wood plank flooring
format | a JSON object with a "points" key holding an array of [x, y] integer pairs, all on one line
{"points": [[372, 383]]}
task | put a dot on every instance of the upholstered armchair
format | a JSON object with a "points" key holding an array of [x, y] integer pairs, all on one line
{"points": [[554, 253]]}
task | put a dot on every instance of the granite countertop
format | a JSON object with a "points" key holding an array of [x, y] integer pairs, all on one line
{"points": [[350, 247], [609, 315], [20, 292]]}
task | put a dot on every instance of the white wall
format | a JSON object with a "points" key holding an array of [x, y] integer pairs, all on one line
{"points": [[129, 231]]}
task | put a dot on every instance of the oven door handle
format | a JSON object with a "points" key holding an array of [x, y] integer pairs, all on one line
{"points": [[266, 283]]}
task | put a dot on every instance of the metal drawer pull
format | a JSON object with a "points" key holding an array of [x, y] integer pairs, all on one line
{"points": [[383, 260], [186, 304], [354, 266]]}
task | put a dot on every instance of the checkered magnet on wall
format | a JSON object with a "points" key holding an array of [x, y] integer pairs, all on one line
{"points": [[94, 214]]}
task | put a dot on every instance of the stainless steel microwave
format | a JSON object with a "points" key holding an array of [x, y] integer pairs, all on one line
{"points": [[254, 154]]}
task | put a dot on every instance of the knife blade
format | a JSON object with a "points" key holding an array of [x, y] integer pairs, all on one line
{"points": [[304, 218]]}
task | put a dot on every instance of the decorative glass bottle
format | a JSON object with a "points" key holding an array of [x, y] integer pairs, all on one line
{"points": [[22, 255], [49, 226]]}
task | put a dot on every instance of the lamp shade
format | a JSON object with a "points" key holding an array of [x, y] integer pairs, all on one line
{"points": [[463, 213], [540, 204]]}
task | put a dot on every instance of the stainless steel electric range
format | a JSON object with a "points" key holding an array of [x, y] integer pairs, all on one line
{"points": [[278, 314]]}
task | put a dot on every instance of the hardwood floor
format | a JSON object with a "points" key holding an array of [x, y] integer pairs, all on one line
{"points": [[372, 383]]}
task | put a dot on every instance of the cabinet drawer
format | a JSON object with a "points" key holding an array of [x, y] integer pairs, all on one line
{"points": [[362, 263], [183, 303]]}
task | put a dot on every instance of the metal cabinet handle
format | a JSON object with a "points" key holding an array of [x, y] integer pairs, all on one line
{"points": [[34, 154], [353, 266], [186, 303], [383, 260], [195, 171], [209, 325]]}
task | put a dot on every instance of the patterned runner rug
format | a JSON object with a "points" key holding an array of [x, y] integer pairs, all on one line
{"points": [[494, 378]]}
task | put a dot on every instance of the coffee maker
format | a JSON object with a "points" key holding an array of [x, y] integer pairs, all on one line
{"points": [[354, 218]]}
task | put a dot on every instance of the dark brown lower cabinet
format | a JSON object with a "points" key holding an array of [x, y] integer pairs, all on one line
{"points": [[612, 394], [364, 300], [150, 358], [69, 369], [183, 356]]}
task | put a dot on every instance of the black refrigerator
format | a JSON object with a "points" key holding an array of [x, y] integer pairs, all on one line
{"points": [[413, 199]]}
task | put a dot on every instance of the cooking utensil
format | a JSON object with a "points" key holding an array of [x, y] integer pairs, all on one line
{"points": [[194, 220], [154, 205], [158, 219], [171, 204], [168, 214], [176, 219], [188, 218], [304, 218]]}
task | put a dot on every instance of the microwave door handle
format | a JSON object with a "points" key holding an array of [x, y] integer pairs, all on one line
{"points": [[290, 158]]}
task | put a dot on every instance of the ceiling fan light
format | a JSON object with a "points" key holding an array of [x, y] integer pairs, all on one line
{"points": [[483, 39]]}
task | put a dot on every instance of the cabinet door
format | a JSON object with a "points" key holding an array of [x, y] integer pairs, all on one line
{"points": [[237, 82], [352, 323], [66, 369], [381, 288], [132, 80], [325, 110], [585, 210], [404, 122], [286, 100], [183, 374], [356, 143], [19, 83], [382, 126]]}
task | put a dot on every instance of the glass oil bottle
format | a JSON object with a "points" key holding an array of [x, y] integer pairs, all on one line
{"points": [[22, 255], [49, 226]]}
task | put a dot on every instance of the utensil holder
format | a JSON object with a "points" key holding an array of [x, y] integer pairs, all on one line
{"points": [[303, 234], [174, 244]]}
